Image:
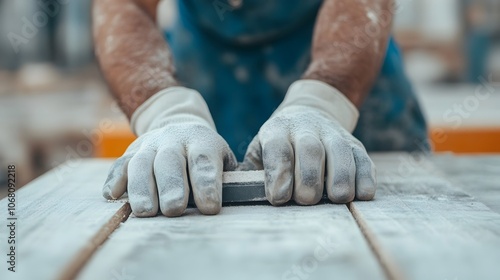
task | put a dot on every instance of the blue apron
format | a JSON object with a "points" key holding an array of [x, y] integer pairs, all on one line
{"points": [[242, 60]]}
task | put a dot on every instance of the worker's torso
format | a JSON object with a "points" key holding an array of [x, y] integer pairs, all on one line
{"points": [[242, 58]]}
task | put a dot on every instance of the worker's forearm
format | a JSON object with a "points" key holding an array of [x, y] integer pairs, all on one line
{"points": [[132, 52], [349, 45]]}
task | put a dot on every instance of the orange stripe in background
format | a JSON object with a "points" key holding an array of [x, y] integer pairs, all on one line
{"points": [[466, 140], [461, 141], [114, 144]]}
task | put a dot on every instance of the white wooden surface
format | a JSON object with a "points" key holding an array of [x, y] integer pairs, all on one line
{"points": [[420, 226], [426, 227], [246, 242], [478, 175], [60, 221]]}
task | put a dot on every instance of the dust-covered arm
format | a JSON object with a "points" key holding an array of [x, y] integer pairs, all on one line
{"points": [[349, 45], [131, 50], [177, 151]]}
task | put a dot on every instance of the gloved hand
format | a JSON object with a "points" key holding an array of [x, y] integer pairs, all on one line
{"points": [[177, 139], [307, 136]]}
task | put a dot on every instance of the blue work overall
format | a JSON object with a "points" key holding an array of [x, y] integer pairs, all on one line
{"points": [[242, 60]]}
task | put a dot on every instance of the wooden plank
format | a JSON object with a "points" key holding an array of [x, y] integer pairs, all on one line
{"points": [[478, 175], [61, 219], [425, 227], [251, 242], [420, 225]]}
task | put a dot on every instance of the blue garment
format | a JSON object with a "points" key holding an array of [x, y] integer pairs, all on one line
{"points": [[243, 60]]}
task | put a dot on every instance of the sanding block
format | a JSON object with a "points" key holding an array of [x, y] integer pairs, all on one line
{"points": [[245, 187]]}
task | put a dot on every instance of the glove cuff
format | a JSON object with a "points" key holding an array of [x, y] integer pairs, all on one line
{"points": [[171, 105], [323, 97]]}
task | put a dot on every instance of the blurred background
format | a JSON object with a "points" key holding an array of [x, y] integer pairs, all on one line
{"points": [[55, 107]]}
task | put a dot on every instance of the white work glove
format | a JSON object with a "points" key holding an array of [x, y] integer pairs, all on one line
{"points": [[308, 137], [176, 140]]}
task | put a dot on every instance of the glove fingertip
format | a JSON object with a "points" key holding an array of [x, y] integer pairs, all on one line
{"points": [[208, 199], [366, 175], [365, 188], [253, 156], [230, 161], [116, 193], [210, 209], [106, 192]]}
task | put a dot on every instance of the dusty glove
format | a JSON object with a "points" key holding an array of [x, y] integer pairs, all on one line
{"points": [[176, 140], [307, 138]]}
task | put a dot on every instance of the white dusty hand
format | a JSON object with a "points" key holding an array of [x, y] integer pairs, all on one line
{"points": [[308, 136], [177, 140]]}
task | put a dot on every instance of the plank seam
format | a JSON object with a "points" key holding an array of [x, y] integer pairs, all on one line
{"points": [[84, 255], [390, 269]]}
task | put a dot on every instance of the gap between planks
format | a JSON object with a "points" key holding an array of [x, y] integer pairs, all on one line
{"points": [[73, 269], [76, 265], [388, 265], [81, 259]]}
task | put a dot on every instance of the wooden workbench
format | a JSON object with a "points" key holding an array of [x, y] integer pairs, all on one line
{"points": [[423, 224]]}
